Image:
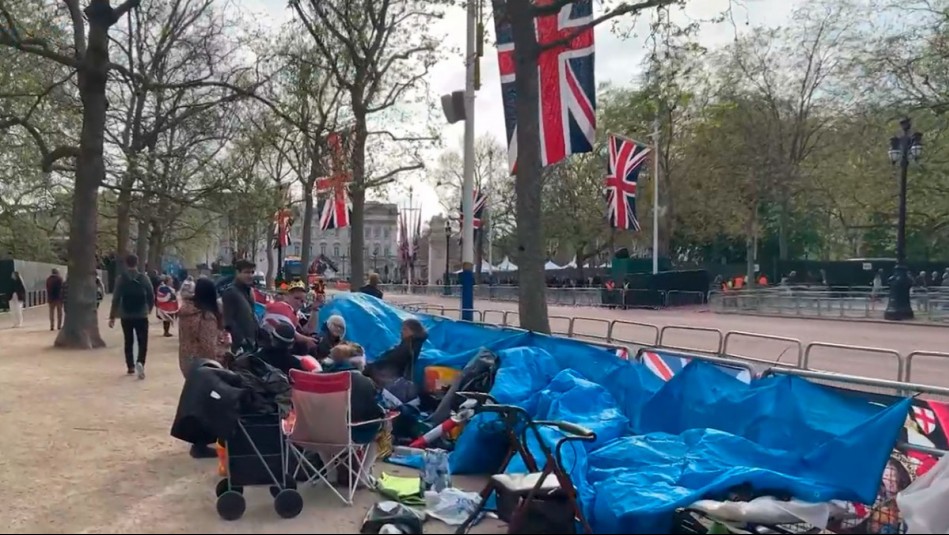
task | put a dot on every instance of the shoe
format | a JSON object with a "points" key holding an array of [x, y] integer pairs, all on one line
{"points": [[202, 451], [140, 370], [167, 335], [131, 371]]}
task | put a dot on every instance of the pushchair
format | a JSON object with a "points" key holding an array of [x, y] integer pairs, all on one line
{"points": [[257, 455], [543, 500]]}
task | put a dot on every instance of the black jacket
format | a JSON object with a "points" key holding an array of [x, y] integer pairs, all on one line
{"points": [[397, 362], [209, 405], [19, 290], [371, 290], [238, 311]]}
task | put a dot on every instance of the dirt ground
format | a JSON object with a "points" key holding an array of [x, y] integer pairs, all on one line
{"points": [[85, 448]]}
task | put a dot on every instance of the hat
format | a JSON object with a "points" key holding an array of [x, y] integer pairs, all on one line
{"points": [[296, 285], [283, 332]]}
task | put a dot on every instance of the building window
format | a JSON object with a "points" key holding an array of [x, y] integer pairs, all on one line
{"points": [[375, 249], [336, 250], [387, 251], [296, 249], [368, 232], [323, 248], [385, 232], [377, 232]]}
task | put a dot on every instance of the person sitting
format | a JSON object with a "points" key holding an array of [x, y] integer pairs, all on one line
{"points": [[332, 335], [399, 362], [345, 357], [276, 347], [286, 310]]}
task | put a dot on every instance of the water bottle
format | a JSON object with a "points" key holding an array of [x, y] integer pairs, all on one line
{"points": [[435, 475]]}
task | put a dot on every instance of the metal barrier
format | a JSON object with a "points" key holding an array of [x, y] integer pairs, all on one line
{"points": [[908, 377], [669, 328], [732, 335], [676, 298], [567, 327], [910, 389], [612, 336], [500, 315], [808, 364], [575, 330], [508, 314]]}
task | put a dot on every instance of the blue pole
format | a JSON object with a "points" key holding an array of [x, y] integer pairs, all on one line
{"points": [[467, 293]]}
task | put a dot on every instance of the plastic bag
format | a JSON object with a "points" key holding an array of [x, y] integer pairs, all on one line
{"points": [[767, 510], [394, 514], [452, 506], [923, 502]]}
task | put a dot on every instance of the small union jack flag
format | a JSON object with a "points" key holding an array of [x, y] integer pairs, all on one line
{"points": [[480, 201], [666, 365], [622, 175]]}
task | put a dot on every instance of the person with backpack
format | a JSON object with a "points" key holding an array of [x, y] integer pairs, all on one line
{"points": [[132, 302]]}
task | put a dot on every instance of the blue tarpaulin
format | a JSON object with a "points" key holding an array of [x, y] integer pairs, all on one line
{"points": [[659, 445]]}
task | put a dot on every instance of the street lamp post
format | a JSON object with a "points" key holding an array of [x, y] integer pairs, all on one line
{"points": [[902, 148], [447, 248]]}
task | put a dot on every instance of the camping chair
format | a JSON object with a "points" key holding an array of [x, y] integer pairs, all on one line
{"points": [[546, 492], [322, 423]]}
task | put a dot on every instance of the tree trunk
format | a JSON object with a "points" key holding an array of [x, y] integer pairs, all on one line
{"points": [[155, 245], [307, 222], [141, 244], [271, 265], [528, 185], [783, 231], [358, 195], [81, 326]]}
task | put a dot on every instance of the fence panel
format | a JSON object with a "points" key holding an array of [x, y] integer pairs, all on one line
{"points": [[512, 318], [929, 365], [561, 325], [494, 317], [876, 362], [756, 348], [713, 339], [633, 333], [590, 328]]}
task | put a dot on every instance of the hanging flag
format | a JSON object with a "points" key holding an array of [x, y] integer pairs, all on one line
{"points": [[418, 233], [622, 174], [403, 239], [566, 83], [283, 220], [480, 203], [337, 210]]}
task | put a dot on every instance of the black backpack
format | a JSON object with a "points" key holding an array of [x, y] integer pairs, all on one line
{"points": [[135, 294]]}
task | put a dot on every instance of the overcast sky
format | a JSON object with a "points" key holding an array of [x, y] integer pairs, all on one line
{"points": [[618, 61]]}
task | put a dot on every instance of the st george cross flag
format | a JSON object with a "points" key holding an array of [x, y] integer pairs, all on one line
{"points": [[566, 82], [622, 175]]}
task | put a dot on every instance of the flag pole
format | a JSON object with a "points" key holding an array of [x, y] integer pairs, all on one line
{"points": [[655, 197], [411, 242], [467, 193]]}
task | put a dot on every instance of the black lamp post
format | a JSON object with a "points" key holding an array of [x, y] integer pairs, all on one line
{"points": [[902, 148], [447, 248]]}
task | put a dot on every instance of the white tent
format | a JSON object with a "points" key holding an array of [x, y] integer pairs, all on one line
{"points": [[572, 263], [550, 266], [506, 265], [486, 267]]}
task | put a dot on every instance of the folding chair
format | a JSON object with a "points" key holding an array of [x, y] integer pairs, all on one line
{"points": [[322, 423], [521, 496]]}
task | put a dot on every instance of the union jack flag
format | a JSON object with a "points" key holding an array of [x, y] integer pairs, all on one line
{"points": [[337, 210], [480, 201], [622, 175], [418, 233], [666, 365], [404, 252], [566, 83], [283, 220]]}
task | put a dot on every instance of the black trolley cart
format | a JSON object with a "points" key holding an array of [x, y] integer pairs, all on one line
{"points": [[257, 455]]}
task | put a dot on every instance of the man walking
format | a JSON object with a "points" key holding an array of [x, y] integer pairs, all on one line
{"points": [[132, 302], [237, 303], [54, 298]]}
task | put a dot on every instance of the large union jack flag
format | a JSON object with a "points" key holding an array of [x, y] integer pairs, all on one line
{"points": [[283, 220], [665, 365], [566, 83], [337, 210], [622, 175]]}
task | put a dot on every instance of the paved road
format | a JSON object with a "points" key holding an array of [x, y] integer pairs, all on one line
{"points": [[903, 339]]}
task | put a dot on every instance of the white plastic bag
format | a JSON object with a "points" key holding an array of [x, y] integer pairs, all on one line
{"points": [[450, 505], [923, 504], [767, 510]]}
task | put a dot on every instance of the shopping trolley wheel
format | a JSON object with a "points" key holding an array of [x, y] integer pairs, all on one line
{"points": [[231, 505], [288, 503]]}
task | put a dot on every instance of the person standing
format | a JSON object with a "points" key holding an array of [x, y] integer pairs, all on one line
{"points": [[17, 300], [167, 302], [133, 301], [238, 307], [54, 298], [373, 287]]}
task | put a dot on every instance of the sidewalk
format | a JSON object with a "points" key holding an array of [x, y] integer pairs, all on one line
{"points": [[85, 448]]}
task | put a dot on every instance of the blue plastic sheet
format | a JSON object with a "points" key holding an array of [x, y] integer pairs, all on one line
{"points": [[660, 445]]}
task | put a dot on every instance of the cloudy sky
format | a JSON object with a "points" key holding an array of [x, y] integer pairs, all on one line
{"points": [[618, 61]]}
